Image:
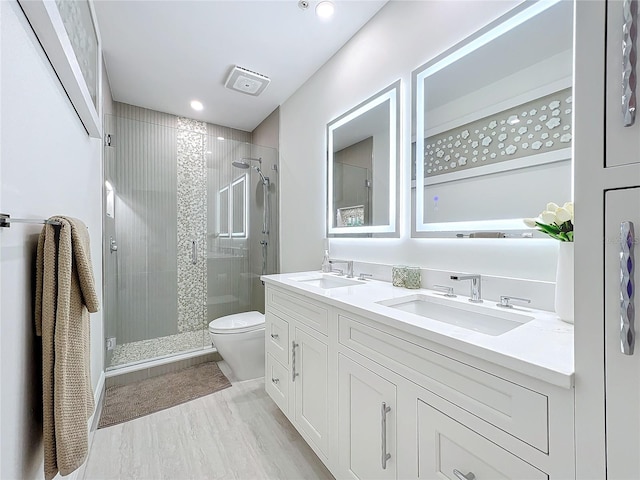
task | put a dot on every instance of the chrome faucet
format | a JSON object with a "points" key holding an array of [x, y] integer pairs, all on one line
{"points": [[476, 286], [348, 263]]}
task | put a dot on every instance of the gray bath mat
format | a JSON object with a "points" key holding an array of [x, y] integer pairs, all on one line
{"points": [[126, 402]]}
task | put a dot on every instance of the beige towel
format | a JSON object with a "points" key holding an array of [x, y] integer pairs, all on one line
{"points": [[65, 294]]}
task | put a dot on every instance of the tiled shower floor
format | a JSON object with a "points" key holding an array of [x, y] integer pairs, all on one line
{"points": [[158, 347]]}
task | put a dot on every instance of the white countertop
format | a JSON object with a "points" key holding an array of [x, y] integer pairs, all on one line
{"points": [[541, 348]]}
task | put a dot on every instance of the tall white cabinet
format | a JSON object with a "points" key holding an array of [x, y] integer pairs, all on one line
{"points": [[607, 193], [622, 372]]}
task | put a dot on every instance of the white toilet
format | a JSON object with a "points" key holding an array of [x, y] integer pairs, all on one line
{"points": [[240, 340]]}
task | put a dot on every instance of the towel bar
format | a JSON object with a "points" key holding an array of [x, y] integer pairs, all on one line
{"points": [[6, 221]]}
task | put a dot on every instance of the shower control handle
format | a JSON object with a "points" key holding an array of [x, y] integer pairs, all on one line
{"points": [[194, 252]]}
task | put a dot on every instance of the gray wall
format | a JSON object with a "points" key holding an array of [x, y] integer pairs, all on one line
{"points": [[267, 134]]}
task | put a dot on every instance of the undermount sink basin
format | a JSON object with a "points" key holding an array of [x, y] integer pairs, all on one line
{"points": [[328, 281], [476, 317]]}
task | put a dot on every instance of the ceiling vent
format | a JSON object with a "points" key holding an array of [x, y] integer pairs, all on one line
{"points": [[246, 81]]}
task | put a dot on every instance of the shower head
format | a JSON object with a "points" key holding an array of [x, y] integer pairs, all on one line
{"points": [[250, 159], [265, 180], [243, 163], [240, 164]]}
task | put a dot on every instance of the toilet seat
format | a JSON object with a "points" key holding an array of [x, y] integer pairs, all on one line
{"points": [[237, 323]]}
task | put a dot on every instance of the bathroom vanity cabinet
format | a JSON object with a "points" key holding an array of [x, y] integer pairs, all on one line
{"points": [[376, 400], [297, 364]]}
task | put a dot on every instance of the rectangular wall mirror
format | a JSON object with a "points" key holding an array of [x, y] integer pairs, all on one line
{"points": [[239, 205], [362, 167], [223, 212], [493, 125]]}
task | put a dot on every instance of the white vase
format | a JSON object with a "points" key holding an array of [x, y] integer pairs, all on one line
{"points": [[564, 282]]}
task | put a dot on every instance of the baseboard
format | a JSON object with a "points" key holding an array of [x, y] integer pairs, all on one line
{"points": [[97, 401]]}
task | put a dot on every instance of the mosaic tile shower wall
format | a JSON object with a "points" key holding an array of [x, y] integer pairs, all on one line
{"points": [[192, 224]]}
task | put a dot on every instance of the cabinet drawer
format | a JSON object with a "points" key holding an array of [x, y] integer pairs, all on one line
{"points": [[303, 310], [276, 382], [517, 410], [277, 337], [445, 445]]}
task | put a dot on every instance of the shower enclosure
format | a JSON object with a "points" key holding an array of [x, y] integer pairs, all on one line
{"points": [[187, 234]]}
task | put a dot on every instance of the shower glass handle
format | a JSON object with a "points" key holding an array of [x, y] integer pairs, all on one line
{"points": [[194, 252], [264, 256], [266, 213]]}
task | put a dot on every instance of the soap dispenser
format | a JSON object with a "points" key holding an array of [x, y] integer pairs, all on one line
{"points": [[326, 266]]}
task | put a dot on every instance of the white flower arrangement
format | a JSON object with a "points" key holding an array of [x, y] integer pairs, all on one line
{"points": [[555, 221]]}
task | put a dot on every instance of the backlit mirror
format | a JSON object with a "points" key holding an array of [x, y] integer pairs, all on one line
{"points": [[223, 212], [363, 160], [239, 206], [493, 125]]}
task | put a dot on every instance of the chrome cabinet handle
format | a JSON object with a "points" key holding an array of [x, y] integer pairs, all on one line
{"points": [[462, 476], [293, 361], [629, 33], [275, 380], [274, 336], [627, 309], [194, 252], [385, 455]]}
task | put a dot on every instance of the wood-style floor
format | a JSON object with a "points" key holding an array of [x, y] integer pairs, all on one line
{"points": [[237, 433]]}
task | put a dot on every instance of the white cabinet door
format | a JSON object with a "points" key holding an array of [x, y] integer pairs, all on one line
{"points": [[309, 367], [276, 383], [449, 450], [622, 370], [623, 143], [366, 432]]}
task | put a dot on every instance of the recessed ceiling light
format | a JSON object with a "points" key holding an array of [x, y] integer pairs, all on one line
{"points": [[220, 138], [325, 9], [196, 105]]}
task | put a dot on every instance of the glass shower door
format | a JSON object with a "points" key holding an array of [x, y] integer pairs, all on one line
{"points": [[153, 275]]}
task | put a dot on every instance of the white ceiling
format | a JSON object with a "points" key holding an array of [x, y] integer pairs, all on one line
{"points": [[163, 54]]}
